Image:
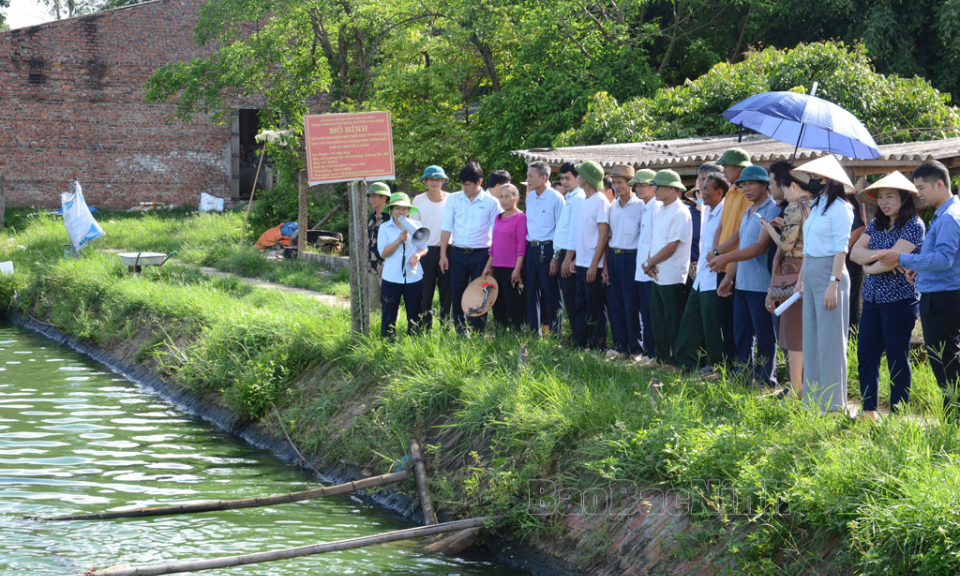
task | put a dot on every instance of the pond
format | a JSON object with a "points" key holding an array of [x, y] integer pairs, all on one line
{"points": [[77, 438]]}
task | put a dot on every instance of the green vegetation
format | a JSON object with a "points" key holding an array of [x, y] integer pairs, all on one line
{"points": [[893, 109], [765, 478], [199, 239]]}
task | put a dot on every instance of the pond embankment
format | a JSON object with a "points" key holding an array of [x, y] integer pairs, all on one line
{"points": [[597, 471]]}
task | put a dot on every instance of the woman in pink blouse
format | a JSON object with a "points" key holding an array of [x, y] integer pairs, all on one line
{"points": [[506, 259]]}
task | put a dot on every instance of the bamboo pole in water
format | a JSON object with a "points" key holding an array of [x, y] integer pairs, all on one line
{"points": [[212, 506], [429, 516], [198, 565]]}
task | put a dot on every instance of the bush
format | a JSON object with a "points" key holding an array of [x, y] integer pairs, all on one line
{"points": [[893, 109]]}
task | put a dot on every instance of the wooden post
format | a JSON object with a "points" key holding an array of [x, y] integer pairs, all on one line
{"points": [[359, 307], [3, 199], [429, 516], [304, 188], [363, 541], [326, 491]]}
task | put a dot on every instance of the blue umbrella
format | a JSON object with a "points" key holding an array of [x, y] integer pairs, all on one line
{"points": [[809, 121]]}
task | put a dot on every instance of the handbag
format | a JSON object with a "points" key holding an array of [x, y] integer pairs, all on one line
{"points": [[784, 282]]}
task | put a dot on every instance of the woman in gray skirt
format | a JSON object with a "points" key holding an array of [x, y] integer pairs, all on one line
{"points": [[826, 286]]}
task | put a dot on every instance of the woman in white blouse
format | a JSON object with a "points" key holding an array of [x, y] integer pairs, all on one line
{"points": [[402, 276], [826, 285]]}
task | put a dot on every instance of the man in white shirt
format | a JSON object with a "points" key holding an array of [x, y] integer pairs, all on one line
{"points": [[591, 233], [643, 187], [621, 269], [562, 242], [468, 219], [430, 205], [543, 208], [668, 263], [700, 326]]}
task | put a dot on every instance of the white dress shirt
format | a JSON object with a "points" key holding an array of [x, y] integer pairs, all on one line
{"points": [[706, 279], [646, 237], [562, 238], [397, 268], [625, 223], [671, 223], [471, 221], [543, 213], [430, 215], [592, 212], [826, 233]]}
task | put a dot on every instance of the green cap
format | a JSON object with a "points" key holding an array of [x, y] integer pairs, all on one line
{"points": [[399, 199], [379, 188], [753, 173], [735, 157], [669, 178], [592, 173], [642, 177]]}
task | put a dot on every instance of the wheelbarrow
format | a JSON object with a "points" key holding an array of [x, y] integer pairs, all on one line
{"points": [[136, 260]]}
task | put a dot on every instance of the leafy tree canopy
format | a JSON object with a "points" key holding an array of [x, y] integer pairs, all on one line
{"points": [[893, 109]]}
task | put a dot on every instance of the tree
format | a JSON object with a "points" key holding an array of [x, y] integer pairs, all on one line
{"points": [[3, 17], [894, 109]]}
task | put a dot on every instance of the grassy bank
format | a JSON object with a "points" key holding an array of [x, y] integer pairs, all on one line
{"points": [[766, 478], [199, 239]]}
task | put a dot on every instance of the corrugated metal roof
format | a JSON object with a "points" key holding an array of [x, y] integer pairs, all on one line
{"points": [[687, 154]]}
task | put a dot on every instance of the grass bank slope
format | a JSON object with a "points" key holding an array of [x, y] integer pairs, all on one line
{"points": [[586, 460]]}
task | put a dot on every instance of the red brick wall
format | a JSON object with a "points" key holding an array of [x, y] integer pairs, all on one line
{"points": [[72, 106]]}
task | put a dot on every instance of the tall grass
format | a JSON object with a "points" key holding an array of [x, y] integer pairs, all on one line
{"points": [[768, 476]]}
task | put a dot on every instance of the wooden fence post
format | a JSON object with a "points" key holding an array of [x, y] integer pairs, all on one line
{"points": [[359, 307], [304, 188]]}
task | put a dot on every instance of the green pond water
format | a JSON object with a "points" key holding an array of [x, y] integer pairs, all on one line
{"points": [[78, 438]]}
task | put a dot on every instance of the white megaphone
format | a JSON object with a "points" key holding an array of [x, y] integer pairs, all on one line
{"points": [[419, 235]]}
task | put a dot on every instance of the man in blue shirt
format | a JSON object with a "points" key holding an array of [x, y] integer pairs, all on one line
{"points": [[938, 281], [468, 218], [753, 333], [543, 208]]}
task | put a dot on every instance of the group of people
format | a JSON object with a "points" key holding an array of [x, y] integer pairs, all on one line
{"points": [[690, 280]]}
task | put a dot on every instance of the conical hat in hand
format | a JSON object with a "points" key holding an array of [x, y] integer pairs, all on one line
{"points": [[824, 167], [479, 296]]}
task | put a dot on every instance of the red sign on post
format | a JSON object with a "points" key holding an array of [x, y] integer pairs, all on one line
{"points": [[344, 147]]}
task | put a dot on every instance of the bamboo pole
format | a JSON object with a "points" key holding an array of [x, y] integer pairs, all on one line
{"points": [[453, 544], [243, 231], [320, 548], [429, 516], [216, 505]]}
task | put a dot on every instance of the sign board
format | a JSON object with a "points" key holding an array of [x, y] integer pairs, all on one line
{"points": [[344, 147]]}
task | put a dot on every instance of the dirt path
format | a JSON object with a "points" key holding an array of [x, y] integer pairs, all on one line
{"points": [[320, 297]]}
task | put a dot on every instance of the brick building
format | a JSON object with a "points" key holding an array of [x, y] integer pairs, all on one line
{"points": [[72, 106]]}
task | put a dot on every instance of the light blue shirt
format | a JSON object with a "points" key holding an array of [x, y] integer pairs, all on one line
{"points": [[562, 238], [543, 213], [625, 223], [397, 268], [826, 233], [706, 279], [938, 262], [471, 221], [754, 275]]}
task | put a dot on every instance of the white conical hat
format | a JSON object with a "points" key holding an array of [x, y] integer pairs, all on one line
{"points": [[895, 180], [824, 167]]}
